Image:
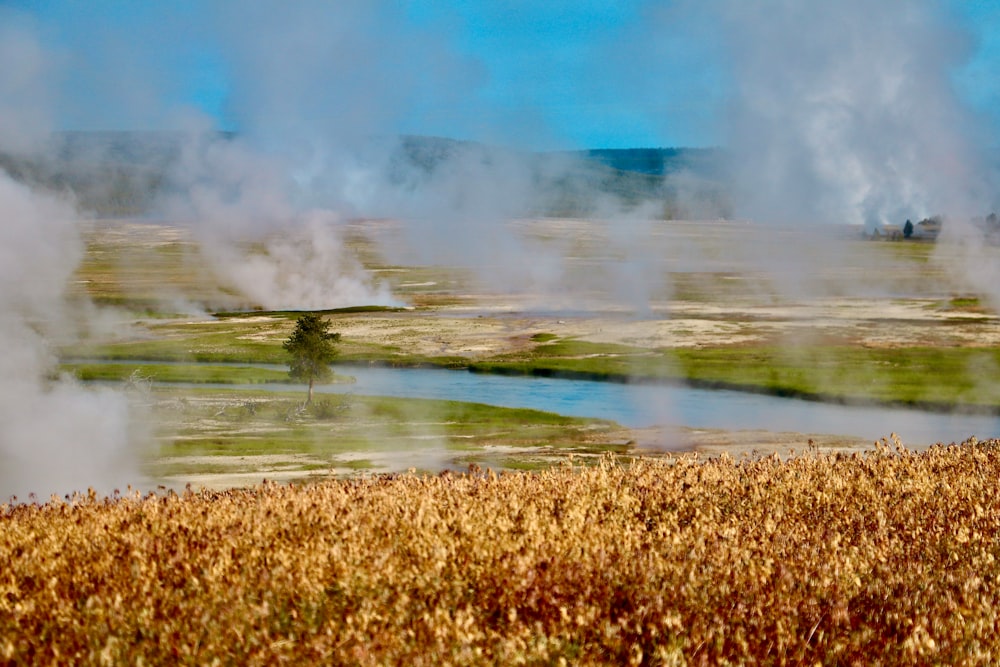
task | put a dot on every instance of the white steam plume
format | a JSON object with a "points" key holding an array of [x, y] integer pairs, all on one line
{"points": [[325, 90], [25, 96], [55, 435], [303, 268], [846, 113], [239, 204], [317, 94]]}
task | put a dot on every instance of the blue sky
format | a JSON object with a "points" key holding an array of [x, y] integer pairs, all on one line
{"points": [[557, 74]]}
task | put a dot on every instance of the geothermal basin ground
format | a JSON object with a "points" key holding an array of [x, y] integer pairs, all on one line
{"points": [[821, 316]]}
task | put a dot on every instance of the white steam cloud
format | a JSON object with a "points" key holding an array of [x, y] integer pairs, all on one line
{"points": [[55, 436], [846, 113], [25, 96], [321, 93], [239, 203]]}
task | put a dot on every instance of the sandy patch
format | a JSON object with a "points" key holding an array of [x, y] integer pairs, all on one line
{"points": [[263, 461], [265, 336], [705, 443], [753, 443], [459, 331], [434, 335]]}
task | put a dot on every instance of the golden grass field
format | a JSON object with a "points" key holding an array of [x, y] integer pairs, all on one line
{"points": [[889, 557]]}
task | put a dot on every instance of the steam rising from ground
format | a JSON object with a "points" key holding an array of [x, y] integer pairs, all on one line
{"points": [[239, 203], [846, 113], [55, 436], [304, 268]]}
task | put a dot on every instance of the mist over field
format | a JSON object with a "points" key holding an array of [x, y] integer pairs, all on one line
{"points": [[54, 434], [841, 119], [833, 115]]}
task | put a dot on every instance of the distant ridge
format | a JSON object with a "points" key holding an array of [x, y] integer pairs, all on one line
{"points": [[658, 161], [429, 151], [122, 173]]}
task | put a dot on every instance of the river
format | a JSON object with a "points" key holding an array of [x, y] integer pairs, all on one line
{"points": [[641, 405], [645, 405]]}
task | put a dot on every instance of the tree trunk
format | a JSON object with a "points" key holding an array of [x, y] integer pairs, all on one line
{"points": [[309, 400]]}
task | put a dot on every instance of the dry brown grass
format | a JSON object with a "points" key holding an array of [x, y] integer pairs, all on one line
{"points": [[890, 557]]}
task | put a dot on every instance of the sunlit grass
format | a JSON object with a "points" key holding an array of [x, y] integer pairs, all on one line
{"points": [[188, 373], [203, 422], [932, 377], [888, 558], [936, 377]]}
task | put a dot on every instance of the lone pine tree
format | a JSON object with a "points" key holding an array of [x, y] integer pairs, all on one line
{"points": [[312, 348]]}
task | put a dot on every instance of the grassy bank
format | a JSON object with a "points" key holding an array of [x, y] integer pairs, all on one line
{"points": [[912, 376], [188, 373], [927, 377], [213, 431], [889, 558]]}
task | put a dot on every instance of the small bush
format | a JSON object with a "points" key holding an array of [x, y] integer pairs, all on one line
{"points": [[326, 408]]}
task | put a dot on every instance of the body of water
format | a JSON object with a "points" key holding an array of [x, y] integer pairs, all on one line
{"points": [[644, 405], [641, 405]]}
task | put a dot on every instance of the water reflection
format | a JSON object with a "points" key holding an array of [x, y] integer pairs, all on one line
{"points": [[646, 405]]}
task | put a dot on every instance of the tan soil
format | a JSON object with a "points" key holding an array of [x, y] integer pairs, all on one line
{"points": [[866, 322], [254, 469]]}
